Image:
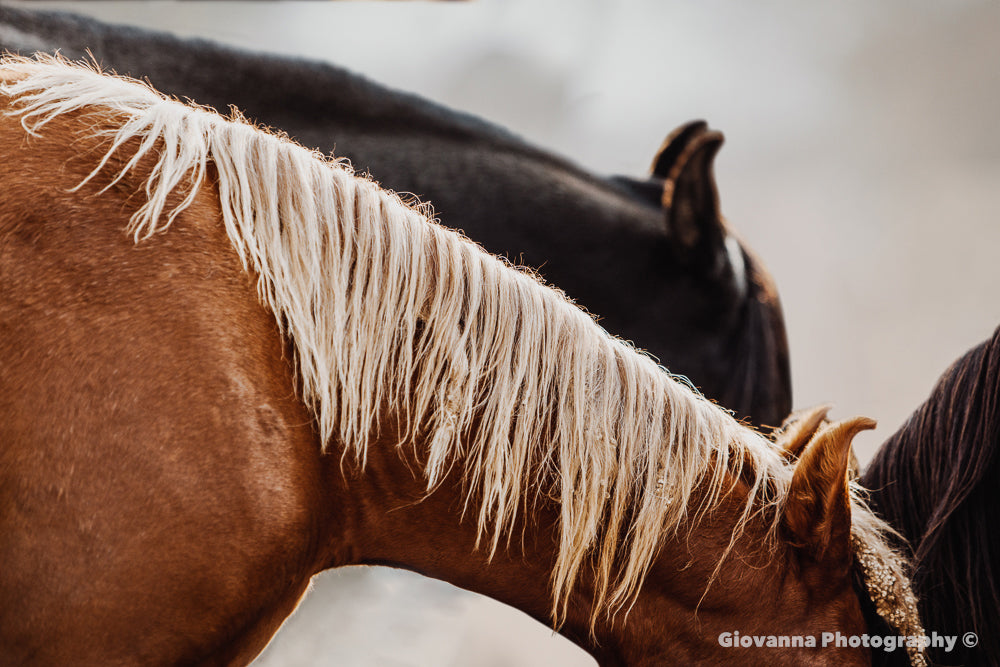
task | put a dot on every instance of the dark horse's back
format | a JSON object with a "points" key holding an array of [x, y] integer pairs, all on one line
{"points": [[937, 481], [672, 279]]}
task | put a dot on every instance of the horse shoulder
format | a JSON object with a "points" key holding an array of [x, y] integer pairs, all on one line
{"points": [[152, 439]]}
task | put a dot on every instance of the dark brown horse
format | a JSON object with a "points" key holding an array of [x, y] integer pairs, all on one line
{"points": [[652, 257], [281, 369], [937, 481]]}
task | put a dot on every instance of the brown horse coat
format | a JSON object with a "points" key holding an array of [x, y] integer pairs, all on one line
{"points": [[166, 493]]}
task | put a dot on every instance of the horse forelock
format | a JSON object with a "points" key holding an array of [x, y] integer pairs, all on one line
{"points": [[385, 307]]}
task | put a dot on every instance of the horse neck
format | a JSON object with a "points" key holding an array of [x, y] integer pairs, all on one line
{"points": [[383, 515]]}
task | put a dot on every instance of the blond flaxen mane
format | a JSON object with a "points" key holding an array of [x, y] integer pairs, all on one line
{"points": [[385, 307]]}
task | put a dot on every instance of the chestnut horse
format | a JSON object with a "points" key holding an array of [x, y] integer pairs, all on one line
{"points": [[282, 368], [936, 481]]}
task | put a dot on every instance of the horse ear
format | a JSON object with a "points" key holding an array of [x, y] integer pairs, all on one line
{"points": [[818, 509], [691, 200], [799, 429], [673, 146]]}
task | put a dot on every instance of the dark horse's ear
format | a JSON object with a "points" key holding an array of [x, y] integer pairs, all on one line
{"points": [[673, 146], [691, 201], [818, 509]]}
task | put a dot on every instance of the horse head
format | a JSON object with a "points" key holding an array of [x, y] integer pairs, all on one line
{"points": [[780, 592]]}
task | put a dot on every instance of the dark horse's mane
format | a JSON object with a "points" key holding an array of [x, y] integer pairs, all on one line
{"points": [[936, 482]]}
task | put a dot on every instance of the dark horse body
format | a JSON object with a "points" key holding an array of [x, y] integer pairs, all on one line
{"points": [[677, 285], [937, 481]]}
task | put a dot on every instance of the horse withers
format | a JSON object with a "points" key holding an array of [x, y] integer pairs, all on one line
{"points": [[228, 364], [652, 257]]}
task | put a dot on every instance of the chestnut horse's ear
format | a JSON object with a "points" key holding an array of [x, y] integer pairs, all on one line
{"points": [[818, 509], [673, 146], [798, 430], [691, 200]]}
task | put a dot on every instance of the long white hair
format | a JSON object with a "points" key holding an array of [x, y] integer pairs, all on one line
{"points": [[387, 308]]}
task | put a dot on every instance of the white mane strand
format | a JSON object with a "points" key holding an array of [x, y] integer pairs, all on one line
{"points": [[388, 311]]}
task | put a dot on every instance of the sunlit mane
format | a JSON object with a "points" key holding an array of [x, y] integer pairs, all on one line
{"points": [[515, 389]]}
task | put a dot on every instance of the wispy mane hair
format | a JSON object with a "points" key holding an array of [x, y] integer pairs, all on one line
{"points": [[503, 378]]}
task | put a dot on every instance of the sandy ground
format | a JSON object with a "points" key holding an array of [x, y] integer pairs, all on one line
{"points": [[862, 164]]}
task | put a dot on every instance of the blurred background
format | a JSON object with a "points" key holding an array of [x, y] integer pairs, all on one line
{"points": [[862, 163]]}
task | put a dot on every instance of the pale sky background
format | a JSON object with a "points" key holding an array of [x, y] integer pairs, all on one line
{"points": [[862, 163]]}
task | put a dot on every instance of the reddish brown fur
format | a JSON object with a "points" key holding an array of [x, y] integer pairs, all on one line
{"points": [[156, 462], [163, 497]]}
